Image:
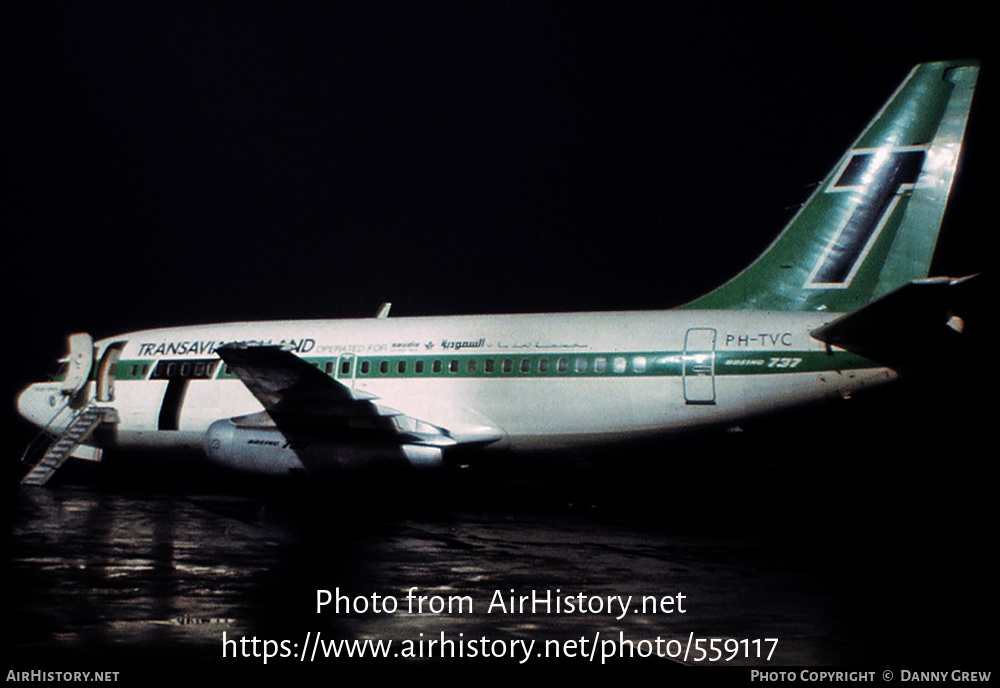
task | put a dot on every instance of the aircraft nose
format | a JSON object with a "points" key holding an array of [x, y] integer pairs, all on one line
{"points": [[38, 403]]}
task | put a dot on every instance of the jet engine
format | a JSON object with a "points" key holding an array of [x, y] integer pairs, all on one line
{"points": [[269, 450]]}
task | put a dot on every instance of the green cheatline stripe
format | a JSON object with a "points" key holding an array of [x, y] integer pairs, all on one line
{"points": [[630, 364]]}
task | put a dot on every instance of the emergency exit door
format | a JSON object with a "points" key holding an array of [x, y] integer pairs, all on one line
{"points": [[699, 365]]}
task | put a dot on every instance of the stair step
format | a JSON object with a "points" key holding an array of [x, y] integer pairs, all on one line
{"points": [[78, 430]]}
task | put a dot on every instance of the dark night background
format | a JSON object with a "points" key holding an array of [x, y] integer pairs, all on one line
{"points": [[176, 163]]}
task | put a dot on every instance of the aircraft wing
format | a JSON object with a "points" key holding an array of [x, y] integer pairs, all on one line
{"points": [[296, 394], [288, 386]]}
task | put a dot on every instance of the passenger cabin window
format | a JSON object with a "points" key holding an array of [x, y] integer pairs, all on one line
{"points": [[600, 364], [418, 367], [619, 364], [185, 370]]}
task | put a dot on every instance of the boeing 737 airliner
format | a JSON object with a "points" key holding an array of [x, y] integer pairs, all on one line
{"points": [[839, 302]]}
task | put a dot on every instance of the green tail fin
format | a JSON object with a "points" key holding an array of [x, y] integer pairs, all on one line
{"points": [[872, 225]]}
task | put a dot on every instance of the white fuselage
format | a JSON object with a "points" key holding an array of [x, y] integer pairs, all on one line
{"points": [[521, 382]]}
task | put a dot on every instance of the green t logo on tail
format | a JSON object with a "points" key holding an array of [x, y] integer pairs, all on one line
{"points": [[872, 225]]}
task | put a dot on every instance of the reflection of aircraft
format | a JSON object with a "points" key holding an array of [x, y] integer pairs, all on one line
{"points": [[839, 302]]}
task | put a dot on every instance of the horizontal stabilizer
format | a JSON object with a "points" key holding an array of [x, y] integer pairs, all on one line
{"points": [[917, 316]]}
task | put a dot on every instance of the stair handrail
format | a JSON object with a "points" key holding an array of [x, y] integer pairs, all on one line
{"points": [[34, 447]]}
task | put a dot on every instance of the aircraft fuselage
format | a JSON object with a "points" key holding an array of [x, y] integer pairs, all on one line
{"points": [[846, 282], [519, 382]]}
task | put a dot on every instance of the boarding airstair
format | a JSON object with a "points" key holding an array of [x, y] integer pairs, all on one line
{"points": [[61, 448]]}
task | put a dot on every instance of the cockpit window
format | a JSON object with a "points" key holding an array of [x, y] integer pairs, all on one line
{"points": [[59, 370]]}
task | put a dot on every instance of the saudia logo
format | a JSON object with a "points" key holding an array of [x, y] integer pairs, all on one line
{"points": [[188, 348], [478, 344]]}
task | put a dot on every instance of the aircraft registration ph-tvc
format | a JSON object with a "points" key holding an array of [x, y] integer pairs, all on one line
{"points": [[841, 301]]}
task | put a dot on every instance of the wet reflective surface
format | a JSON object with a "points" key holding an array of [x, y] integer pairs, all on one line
{"points": [[843, 564]]}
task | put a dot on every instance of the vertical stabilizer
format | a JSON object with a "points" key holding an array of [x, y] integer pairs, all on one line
{"points": [[872, 225]]}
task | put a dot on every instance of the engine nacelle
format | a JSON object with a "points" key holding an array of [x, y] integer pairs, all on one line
{"points": [[269, 450]]}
